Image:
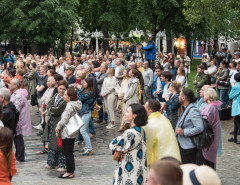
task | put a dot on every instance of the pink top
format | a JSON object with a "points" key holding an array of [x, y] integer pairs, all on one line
{"points": [[211, 111]]}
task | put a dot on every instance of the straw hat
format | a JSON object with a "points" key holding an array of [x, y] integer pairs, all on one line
{"points": [[199, 175]]}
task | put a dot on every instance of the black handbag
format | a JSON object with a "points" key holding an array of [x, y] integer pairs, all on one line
{"points": [[205, 138], [34, 99], [225, 113], [213, 80], [225, 83]]}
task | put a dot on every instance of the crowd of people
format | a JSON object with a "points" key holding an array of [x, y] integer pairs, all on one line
{"points": [[159, 115]]}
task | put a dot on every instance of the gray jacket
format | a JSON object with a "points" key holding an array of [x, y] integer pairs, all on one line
{"points": [[223, 75], [72, 108], [193, 125], [100, 79]]}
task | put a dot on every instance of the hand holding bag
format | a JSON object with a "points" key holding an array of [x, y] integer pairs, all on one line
{"points": [[74, 124]]}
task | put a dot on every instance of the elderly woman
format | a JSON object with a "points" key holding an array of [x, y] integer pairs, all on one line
{"points": [[48, 94], [132, 90], [210, 112], [132, 166], [55, 109], [73, 106], [108, 94], [121, 94]]}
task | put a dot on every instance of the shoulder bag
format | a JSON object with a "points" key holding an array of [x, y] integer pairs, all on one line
{"points": [[119, 155], [74, 124], [205, 138]]}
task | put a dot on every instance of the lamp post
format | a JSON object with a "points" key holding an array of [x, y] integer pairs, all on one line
{"points": [[97, 35], [136, 33]]}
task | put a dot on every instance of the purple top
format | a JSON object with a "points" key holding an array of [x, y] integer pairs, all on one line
{"points": [[211, 111]]}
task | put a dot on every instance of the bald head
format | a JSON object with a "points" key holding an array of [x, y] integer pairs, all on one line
{"points": [[203, 89]]}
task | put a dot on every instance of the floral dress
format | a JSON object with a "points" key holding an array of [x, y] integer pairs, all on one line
{"points": [[133, 168]]}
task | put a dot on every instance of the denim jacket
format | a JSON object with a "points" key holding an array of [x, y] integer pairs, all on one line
{"points": [[173, 105], [86, 99]]}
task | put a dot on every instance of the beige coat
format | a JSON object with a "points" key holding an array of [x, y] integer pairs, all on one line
{"points": [[108, 88], [119, 76], [132, 92]]}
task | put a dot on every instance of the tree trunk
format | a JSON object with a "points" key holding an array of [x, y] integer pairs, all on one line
{"points": [[13, 45], [216, 46], [34, 49], [1, 50], [105, 28], [169, 45], [188, 44]]}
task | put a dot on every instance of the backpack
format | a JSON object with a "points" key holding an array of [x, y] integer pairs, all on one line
{"points": [[205, 138]]}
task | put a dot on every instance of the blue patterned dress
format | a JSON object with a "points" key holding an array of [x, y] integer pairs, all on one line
{"points": [[133, 168]]}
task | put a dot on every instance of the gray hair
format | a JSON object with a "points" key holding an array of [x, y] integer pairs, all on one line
{"points": [[105, 65], [16, 82], [89, 66], [6, 93]]}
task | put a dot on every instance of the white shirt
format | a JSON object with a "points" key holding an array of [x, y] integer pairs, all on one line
{"points": [[181, 80], [166, 90], [232, 73], [61, 68], [116, 70]]}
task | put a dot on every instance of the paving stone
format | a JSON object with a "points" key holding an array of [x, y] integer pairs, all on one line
{"points": [[98, 169]]}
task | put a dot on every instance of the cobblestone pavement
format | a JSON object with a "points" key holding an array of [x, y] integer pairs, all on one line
{"points": [[98, 169]]}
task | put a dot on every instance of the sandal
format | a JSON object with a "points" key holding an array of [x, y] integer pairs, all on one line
{"points": [[66, 177], [45, 151]]}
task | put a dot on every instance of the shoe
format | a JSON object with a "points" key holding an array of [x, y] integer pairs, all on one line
{"points": [[61, 170], [238, 142], [45, 151], [66, 177], [104, 122], [83, 150], [38, 127], [110, 125], [50, 167], [232, 140], [88, 152], [99, 121], [92, 135]]}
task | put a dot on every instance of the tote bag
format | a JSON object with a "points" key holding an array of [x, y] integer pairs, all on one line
{"points": [[74, 125]]}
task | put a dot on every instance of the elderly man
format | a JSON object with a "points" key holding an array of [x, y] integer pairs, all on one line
{"points": [[24, 127], [71, 78], [100, 79], [161, 140], [119, 71], [201, 104], [148, 81], [63, 65], [9, 110]]}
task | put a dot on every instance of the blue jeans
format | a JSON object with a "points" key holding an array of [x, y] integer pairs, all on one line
{"points": [[223, 97], [91, 126], [85, 129], [102, 115]]}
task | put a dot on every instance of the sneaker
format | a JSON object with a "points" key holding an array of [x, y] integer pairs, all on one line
{"points": [[99, 121], [38, 127], [61, 170], [91, 135], [87, 152], [83, 150], [110, 125]]}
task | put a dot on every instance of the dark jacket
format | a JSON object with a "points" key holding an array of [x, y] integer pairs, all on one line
{"points": [[9, 116], [93, 76], [86, 99], [173, 105], [150, 51]]}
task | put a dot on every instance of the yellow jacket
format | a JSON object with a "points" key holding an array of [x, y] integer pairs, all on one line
{"points": [[161, 139]]}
